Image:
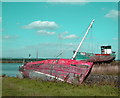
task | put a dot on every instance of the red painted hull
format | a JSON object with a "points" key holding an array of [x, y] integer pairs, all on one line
{"points": [[101, 58], [71, 71]]}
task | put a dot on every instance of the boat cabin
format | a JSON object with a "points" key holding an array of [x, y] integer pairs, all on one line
{"points": [[106, 50]]}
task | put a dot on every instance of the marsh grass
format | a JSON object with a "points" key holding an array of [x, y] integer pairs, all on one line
{"points": [[26, 87], [109, 70]]}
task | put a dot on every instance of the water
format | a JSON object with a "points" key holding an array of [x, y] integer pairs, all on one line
{"points": [[10, 69]]}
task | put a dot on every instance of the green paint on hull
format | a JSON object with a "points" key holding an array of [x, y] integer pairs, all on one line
{"points": [[94, 58]]}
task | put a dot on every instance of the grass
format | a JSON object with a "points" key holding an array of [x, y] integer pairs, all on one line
{"points": [[108, 70], [13, 86]]}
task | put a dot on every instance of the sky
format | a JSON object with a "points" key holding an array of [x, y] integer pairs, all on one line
{"points": [[51, 28]]}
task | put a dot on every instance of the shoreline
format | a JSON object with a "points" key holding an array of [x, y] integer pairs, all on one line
{"points": [[11, 62], [16, 60], [21, 61]]}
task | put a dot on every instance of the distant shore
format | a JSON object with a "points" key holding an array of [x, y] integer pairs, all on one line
{"points": [[11, 62], [18, 60]]}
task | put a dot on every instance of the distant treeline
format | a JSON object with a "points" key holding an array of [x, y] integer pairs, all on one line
{"points": [[20, 60]]}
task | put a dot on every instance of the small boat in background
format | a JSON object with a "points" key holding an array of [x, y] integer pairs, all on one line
{"points": [[106, 56]]}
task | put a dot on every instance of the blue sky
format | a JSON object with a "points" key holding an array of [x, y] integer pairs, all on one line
{"points": [[50, 28]]}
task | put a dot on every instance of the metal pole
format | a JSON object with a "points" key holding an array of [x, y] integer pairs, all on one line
{"points": [[82, 40], [37, 54]]}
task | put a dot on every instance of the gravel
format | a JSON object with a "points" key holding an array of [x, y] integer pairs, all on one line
{"points": [[103, 79]]}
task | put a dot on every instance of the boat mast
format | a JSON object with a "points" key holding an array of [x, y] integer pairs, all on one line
{"points": [[37, 54], [82, 40]]}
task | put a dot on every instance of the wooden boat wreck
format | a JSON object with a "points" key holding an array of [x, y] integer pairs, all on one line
{"points": [[71, 71]]}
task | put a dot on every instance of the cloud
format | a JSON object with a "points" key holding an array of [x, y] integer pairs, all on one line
{"points": [[45, 32], [115, 38], [71, 36], [18, 23], [49, 25], [112, 14], [73, 2], [7, 37], [61, 35], [43, 27]]}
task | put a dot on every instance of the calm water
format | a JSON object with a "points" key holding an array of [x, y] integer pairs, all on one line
{"points": [[10, 69]]}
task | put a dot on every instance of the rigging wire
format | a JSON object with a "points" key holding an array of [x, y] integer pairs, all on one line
{"points": [[61, 50], [79, 37]]}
